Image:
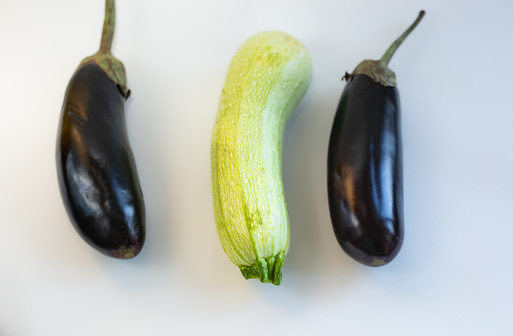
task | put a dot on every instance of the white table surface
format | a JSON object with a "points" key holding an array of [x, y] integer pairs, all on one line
{"points": [[455, 77]]}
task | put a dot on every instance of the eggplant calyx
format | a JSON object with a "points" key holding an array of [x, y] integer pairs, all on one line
{"points": [[378, 71], [104, 58], [113, 67]]}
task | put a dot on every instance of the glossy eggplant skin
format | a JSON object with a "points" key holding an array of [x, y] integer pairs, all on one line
{"points": [[365, 182], [96, 168]]}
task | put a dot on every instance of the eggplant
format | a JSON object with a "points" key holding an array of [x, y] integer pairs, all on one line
{"points": [[365, 178], [96, 169]]}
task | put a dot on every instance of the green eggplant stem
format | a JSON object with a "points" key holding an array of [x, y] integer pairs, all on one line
{"points": [[108, 26], [390, 52], [104, 58]]}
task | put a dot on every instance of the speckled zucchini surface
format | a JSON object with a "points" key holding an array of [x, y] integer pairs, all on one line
{"points": [[267, 78]]}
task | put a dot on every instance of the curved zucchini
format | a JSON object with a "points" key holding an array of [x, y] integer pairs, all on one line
{"points": [[267, 78]]}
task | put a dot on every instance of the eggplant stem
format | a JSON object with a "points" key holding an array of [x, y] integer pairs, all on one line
{"points": [[103, 57], [390, 52], [108, 26]]}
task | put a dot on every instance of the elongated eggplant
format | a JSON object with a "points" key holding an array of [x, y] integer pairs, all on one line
{"points": [[365, 181], [96, 169]]}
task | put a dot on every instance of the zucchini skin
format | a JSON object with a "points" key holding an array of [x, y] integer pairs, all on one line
{"points": [[365, 182], [95, 166], [267, 78]]}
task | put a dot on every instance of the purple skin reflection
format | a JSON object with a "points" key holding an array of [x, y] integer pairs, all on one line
{"points": [[365, 172], [96, 168]]}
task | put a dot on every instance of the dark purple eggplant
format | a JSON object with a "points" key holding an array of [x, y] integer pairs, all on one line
{"points": [[365, 180], [95, 166]]}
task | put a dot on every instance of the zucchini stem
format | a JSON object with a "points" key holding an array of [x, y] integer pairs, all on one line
{"points": [[391, 50], [108, 26]]}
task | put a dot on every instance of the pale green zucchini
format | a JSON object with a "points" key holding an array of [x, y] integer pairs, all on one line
{"points": [[267, 78]]}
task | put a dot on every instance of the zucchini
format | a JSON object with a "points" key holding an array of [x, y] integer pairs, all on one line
{"points": [[267, 78]]}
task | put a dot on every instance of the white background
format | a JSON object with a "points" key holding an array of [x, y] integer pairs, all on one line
{"points": [[453, 275]]}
